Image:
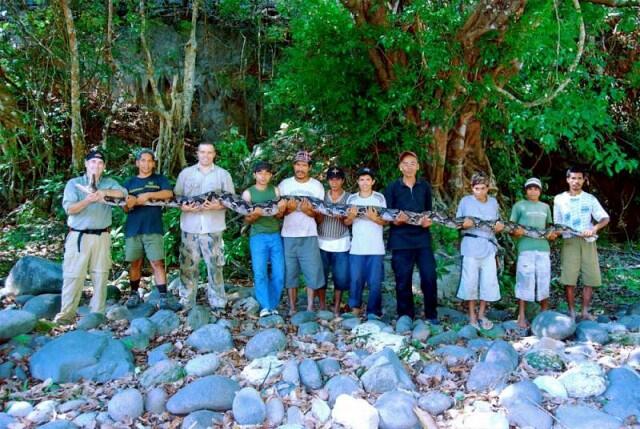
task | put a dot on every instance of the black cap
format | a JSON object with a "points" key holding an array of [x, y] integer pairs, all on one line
{"points": [[94, 154], [366, 171], [335, 173], [262, 166]]}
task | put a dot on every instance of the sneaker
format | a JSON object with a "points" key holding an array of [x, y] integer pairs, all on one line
{"points": [[275, 313], [433, 321], [168, 302], [133, 301], [265, 312], [63, 321]]}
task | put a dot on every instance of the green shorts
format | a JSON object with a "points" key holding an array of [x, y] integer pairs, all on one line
{"points": [[138, 246], [579, 258]]}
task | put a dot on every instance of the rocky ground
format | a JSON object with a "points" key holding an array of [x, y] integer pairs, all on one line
{"points": [[198, 368]]}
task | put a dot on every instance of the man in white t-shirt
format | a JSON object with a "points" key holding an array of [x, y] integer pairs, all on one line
{"points": [[367, 245], [579, 255], [300, 232]]}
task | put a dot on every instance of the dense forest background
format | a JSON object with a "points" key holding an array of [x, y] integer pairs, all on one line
{"points": [[515, 88]]}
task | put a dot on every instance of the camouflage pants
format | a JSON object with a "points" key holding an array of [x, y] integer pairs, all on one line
{"points": [[209, 248]]}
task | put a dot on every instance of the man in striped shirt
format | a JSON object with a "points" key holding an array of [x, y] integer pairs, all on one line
{"points": [[334, 240]]}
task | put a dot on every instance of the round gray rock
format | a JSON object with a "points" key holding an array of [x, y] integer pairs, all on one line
{"points": [[265, 343], [591, 331], [166, 321], [553, 324], [396, 410], [155, 400], [248, 407], [203, 419], [15, 322], [211, 338], [274, 411], [212, 392], [44, 306], [435, 402], [33, 275], [341, 384], [127, 404], [583, 417], [203, 365], [310, 375]]}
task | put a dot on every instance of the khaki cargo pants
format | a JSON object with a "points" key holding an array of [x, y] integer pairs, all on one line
{"points": [[94, 257]]}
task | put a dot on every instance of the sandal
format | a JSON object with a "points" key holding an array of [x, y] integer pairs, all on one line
{"points": [[485, 323]]}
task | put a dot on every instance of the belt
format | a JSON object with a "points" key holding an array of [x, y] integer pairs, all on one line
{"points": [[88, 231]]}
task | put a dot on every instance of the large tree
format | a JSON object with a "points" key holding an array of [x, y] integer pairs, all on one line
{"points": [[456, 79]]}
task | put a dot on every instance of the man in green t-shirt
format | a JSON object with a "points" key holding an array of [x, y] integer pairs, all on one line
{"points": [[533, 275], [265, 242]]}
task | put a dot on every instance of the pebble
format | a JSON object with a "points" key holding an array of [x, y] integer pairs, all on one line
{"points": [[274, 411], [155, 400], [435, 402], [310, 375], [355, 413], [248, 407]]}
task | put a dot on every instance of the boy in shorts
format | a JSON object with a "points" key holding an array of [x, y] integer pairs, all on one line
{"points": [[533, 274], [479, 280]]}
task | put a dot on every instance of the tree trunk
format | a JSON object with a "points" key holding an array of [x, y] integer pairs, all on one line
{"points": [[77, 134]]}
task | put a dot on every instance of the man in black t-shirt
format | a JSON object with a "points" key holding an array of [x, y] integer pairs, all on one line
{"points": [[411, 244], [143, 228]]}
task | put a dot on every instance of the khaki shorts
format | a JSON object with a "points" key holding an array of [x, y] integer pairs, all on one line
{"points": [[138, 246], [579, 258]]}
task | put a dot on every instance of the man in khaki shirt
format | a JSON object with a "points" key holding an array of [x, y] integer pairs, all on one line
{"points": [[202, 227], [88, 244]]}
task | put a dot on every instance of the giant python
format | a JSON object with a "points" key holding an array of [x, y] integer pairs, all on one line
{"points": [[270, 208]]}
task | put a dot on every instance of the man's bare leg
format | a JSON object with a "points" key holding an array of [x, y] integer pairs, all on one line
{"points": [[570, 293], [544, 304], [337, 300], [473, 317], [522, 318], [587, 293], [159, 273], [310, 296], [293, 297], [322, 297]]}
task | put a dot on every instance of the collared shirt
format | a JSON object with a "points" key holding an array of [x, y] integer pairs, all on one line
{"points": [[193, 181], [95, 215], [414, 199], [578, 211]]}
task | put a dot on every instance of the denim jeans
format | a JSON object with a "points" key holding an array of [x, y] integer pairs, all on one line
{"points": [[267, 248], [366, 270], [402, 262], [336, 263]]}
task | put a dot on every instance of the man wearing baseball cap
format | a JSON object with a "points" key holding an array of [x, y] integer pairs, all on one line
{"points": [[143, 228], [533, 272], [88, 244], [411, 244], [334, 240], [300, 231]]}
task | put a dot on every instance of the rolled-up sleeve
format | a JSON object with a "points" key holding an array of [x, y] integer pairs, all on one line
{"points": [[70, 196]]}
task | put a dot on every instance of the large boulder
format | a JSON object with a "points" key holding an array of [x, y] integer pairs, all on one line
{"points": [[385, 372], [33, 275], [15, 322], [214, 392], [81, 355], [584, 380], [623, 393], [554, 325], [44, 306]]}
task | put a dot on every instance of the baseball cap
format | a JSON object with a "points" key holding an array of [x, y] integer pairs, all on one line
{"points": [[94, 154], [335, 173], [143, 151], [262, 166], [303, 156], [365, 171], [406, 153], [534, 181]]}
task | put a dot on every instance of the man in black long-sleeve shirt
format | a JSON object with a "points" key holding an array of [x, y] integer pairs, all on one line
{"points": [[411, 244]]}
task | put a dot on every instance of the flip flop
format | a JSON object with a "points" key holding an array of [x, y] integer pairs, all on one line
{"points": [[485, 323]]}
